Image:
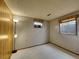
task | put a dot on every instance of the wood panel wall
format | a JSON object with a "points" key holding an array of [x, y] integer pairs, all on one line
{"points": [[6, 31]]}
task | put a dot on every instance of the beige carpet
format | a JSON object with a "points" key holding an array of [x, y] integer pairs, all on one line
{"points": [[47, 51]]}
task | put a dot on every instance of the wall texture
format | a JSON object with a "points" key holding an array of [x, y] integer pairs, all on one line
{"points": [[28, 35], [70, 42]]}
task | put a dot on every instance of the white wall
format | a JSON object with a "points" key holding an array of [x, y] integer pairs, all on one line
{"points": [[28, 35], [70, 42]]}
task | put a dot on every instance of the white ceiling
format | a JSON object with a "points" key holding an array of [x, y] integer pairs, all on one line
{"points": [[40, 8]]}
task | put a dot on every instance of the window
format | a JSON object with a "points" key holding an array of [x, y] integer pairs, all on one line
{"points": [[38, 24], [68, 26]]}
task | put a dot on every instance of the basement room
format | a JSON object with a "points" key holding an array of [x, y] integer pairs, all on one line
{"points": [[39, 29]]}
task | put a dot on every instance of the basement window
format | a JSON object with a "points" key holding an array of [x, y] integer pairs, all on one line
{"points": [[38, 24], [68, 26]]}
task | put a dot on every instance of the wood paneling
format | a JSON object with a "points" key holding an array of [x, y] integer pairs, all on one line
{"points": [[6, 30]]}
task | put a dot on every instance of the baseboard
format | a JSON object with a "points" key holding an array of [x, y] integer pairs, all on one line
{"points": [[29, 47], [64, 48]]}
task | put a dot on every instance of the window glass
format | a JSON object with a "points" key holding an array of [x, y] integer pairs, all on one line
{"points": [[68, 27]]}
